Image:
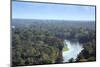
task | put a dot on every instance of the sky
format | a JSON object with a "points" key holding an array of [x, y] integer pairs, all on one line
{"points": [[32, 10]]}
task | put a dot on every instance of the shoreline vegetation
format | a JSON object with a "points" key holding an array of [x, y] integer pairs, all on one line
{"points": [[65, 48]]}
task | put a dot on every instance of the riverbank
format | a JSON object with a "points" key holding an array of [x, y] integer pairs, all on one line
{"points": [[65, 47]]}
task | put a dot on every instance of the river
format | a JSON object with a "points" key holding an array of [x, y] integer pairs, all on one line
{"points": [[74, 48]]}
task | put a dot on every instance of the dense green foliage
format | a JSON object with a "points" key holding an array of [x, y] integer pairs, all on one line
{"points": [[89, 52], [41, 41], [32, 47]]}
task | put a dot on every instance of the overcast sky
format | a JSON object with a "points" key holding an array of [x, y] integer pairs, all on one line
{"points": [[31, 10]]}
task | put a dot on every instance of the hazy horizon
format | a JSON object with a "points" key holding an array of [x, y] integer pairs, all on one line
{"points": [[53, 19]]}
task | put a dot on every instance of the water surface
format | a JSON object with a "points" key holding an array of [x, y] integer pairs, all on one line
{"points": [[74, 49]]}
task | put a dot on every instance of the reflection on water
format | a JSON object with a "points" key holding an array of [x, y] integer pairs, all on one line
{"points": [[74, 49]]}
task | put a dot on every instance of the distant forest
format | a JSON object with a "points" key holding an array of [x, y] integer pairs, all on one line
{"points": [[41, 41]]}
